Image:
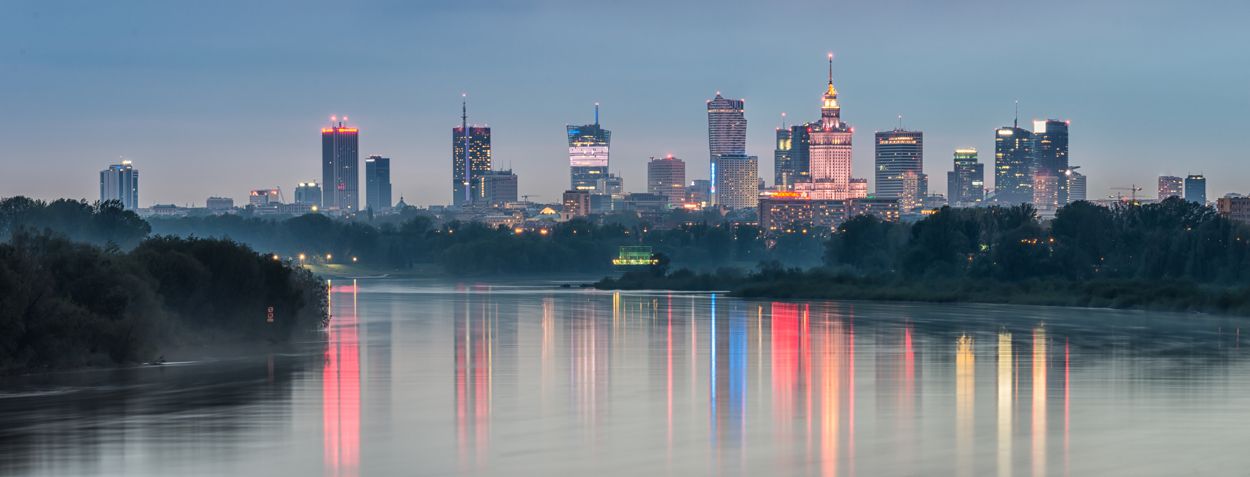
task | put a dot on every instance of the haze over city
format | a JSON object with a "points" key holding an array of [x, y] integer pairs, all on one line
{"points": [[222, 98]]}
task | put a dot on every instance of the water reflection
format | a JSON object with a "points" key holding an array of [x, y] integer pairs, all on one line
{"points": [[546, 381]]}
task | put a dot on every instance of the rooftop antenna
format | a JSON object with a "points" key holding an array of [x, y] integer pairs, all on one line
{"points": [[783, 120], [464, 129], [830, 67], [1015, 123], [900, 122], [596, 114]]}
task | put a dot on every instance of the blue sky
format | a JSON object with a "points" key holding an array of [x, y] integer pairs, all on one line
{"points": [[216, 98]]}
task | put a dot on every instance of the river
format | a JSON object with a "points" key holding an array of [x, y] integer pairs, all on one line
{"points": [[419, 377]]}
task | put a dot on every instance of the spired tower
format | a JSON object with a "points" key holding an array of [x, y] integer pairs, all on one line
{"points": [[829, 151]]}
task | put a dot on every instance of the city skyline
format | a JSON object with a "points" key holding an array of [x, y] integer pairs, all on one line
{"points": [[158, 112]]}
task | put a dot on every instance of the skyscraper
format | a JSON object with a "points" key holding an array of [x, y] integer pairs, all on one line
{"points": [[1013, 165], [308, 193], [898, 151], [588, 154], [1050, 152], [736, 181], [909, 195], [783, 163], [340, 165], [499, 187], [470, 158], [1170, 186], [1046, 192], [1196, 188], [829, 151], [726, 132], [667, 177], [378, 183], [965, 184], [800, 153], [120, 182]]}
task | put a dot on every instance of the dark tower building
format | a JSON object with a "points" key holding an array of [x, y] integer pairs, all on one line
{"points": [[588, 154], [783, 162], [340, 168], [800, 152], [897, 152], [1050, 152], [1013, 165], [470, 159], [1196, 188], [377, 183]]}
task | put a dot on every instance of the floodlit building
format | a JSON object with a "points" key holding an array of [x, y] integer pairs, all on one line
{"points": [[120, 182], [264, 197], [829, 150], [1171, 186], [340, 167], [735, 181], [790, 212], [470, 159], [965, 183], [588, 155]]}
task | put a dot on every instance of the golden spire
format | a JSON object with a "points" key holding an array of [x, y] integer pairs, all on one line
{"points": [[831, 92]]}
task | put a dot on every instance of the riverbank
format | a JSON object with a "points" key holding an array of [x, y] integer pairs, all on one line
{"points": [[1159, 295]]}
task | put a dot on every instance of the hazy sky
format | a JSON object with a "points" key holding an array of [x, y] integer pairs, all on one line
{"points": [[217, 98]]}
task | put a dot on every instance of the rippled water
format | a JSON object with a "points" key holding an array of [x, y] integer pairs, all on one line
{"points": [[428, 378]]}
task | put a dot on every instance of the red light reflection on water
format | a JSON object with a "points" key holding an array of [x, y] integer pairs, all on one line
{"points": [[340, 400]]}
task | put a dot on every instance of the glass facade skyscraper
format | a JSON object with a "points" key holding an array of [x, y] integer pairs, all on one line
{"points": [[726, 132], [897, 152], [1196, 188], [965, 183], [783, 163], [1050, 153], [1013, 165], [588, 154], [340, 168], [120, 182], [377, 183]]}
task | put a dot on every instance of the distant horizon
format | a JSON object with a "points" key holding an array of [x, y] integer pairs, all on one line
{"points": [[207, 103]]}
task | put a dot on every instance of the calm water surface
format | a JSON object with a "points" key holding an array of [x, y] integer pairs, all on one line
{"points": [[430, 378]]}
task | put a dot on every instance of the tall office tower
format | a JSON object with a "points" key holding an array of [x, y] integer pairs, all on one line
{"points": [[667, 177], [736, 183], [120, 182], [800, 153], [965, 184], [378, 183], [470, 158], [1076, 186], [499, 187], [829, 151], [1196, 188], [909, 195], [1013, 165], [726, 132], [308, 193], [588, 154], [783, 162], [1046, 192], [898, 151], [340, 165], [1050, 152], [1170, 186]]}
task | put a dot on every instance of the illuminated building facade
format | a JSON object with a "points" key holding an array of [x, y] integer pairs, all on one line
{"points": [[965, 183], [909, 196], [120, 182], [726, 133], [465, 179], [829, 151], [1046, 192], [576, 203], [588, 155], [783, 164], [264, 197], [1013, 165], [884, 209], [735, 181], [793, 212], [1171, 186], [897, 152], [1050, 152], [378, 183], [1196, 188], [859, 188], [308, 193], [340, 168], [666, 176]]}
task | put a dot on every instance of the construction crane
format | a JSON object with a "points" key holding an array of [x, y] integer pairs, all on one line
{"points": [[526, 197], [1133, 190]]}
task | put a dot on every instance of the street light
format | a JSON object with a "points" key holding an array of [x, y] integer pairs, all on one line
{"points": [[353, 259], [328, 257]]}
